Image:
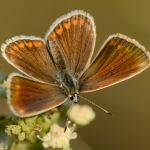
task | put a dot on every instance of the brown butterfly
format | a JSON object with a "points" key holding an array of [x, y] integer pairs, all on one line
{"points": [[60, 67]]}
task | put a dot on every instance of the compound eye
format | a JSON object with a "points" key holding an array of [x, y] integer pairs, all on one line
{"points": [[71, 97]]}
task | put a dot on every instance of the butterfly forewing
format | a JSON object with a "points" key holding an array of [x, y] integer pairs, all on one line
{"points": [[119, 59], [30, 56], [74, 37], [27, 97]]}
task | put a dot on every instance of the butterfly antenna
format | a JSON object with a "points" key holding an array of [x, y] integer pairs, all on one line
{"points": [[94, 104]]}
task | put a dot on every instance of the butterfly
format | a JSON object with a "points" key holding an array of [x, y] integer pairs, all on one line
{"points": [[59, 67]]}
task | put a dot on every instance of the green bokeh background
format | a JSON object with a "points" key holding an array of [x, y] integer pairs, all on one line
{"points": [[129, 127]]}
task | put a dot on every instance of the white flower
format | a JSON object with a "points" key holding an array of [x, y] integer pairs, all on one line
{"points": [[81, 114], [3, 147], [58, 137]]}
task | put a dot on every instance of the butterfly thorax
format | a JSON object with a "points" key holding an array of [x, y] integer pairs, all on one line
{"points": [[69, 85]]}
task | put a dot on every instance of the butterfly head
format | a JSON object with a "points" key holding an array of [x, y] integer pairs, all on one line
{"points": [[74, 97]]}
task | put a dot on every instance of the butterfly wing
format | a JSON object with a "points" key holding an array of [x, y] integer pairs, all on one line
{"points": [[27, 97], [119, 59], [30, 56], [73, 37]]}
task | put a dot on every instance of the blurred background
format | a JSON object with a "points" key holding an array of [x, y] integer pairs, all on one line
{"points": [[129, 127]]}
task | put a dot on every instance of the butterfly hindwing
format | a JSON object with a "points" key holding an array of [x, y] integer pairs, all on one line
{"points": [[27, 97], [120, 58]]}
